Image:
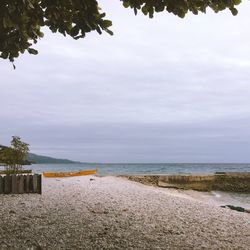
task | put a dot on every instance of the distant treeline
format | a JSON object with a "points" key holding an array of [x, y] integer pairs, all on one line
{"points": [[39, 159]]}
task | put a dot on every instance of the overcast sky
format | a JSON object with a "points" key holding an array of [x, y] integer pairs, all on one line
{"points": [[159, 90]]}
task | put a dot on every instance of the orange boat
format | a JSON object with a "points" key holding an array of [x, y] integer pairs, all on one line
{"points": [[69, 174]]}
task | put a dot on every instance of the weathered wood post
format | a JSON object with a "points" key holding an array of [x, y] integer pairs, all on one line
{"points": [[20, 184], [35, 183], [27, 183], [31, 189], [39, 184], [1, 184], [7, 184], [13, 184]]}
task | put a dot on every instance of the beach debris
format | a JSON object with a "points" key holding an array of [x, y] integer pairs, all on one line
{"points": [[91, 179], [99, 211]]}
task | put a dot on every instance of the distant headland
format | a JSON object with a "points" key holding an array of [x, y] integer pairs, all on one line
{"points": [[41, 159]]}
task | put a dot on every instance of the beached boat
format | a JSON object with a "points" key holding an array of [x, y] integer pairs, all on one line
{"points": [[69, 174]]}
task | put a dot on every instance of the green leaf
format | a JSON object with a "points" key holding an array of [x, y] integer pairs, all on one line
{"points": [[125, 4], [110, 32], [236, 2], [234, 11], [74, 31], [107, 23], [4, 55], [98, 30], [144, 10], [32, 51]]}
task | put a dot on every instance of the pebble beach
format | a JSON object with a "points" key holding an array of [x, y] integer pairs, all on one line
{"points": [[93, 212]]}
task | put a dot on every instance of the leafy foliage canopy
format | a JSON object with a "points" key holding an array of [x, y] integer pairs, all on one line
{"points": [[21, 20]]}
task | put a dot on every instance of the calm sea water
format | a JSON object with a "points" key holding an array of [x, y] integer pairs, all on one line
{"points": [[134, 169]]}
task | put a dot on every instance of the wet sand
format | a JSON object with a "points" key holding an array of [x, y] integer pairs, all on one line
{"points": [[115, 213]]}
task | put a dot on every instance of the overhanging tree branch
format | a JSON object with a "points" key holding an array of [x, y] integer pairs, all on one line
{"points": [[21, 20]]}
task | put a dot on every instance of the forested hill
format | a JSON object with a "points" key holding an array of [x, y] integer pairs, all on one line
{"points": [[33, 158], [36, 159]]}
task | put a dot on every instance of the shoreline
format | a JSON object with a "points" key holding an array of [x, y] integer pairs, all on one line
{"points": [[217, 198], [92, 212]]}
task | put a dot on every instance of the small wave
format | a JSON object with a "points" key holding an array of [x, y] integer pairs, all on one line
{"points": [[216, 194]]}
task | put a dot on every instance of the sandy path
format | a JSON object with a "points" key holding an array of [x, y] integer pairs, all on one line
{"points": [[114, 213]]}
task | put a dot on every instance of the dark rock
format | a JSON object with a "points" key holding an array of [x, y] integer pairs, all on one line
{"points": [[239, 209]]}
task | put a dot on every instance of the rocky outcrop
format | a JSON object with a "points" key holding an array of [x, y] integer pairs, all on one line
{"points": [[232, 182]]}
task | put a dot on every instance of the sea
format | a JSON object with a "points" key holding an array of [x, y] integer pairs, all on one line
{"points": [[145, 169], [221, 198]]}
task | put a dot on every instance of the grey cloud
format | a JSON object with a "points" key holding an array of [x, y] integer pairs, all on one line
{"points": [[117, 142], [160, 90]]}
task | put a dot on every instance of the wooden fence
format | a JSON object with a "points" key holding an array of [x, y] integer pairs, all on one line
{"points": [[20, 184]]}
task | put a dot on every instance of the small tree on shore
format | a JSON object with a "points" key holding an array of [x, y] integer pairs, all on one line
{"points": [[14, 155]]}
